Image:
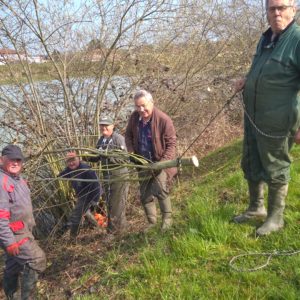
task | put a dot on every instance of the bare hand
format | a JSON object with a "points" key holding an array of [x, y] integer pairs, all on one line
{"points": [[297, 137], [239, 84]]}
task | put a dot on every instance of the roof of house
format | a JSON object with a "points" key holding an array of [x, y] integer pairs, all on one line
{"points": [[7, 51]]}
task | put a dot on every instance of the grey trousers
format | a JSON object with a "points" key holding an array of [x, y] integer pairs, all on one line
{"points": [[116, 197], [30, 254], [153, 186]]}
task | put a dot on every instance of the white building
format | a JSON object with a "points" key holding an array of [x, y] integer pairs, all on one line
{"points": [[12, 56]]}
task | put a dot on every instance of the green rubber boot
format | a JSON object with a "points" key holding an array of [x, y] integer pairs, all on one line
{"points": [[166, 211], [276, 204], [150, 210], [256, 207], [74, 230]]}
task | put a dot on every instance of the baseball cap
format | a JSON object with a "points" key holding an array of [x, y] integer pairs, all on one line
{"points": [[106, 121], [12, 152]]}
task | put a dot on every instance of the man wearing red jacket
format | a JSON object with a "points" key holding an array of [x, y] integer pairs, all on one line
{"points": [[151, 134], [16, 223]]}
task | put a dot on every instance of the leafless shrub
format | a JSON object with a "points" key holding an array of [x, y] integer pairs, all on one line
{"points": [[98, 53]]}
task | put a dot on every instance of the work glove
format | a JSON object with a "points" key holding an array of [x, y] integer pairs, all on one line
{"points": [[13, 249]]}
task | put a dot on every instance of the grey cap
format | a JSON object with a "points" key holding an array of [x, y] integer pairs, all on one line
{"points": [[106, 121], [12, 152]]}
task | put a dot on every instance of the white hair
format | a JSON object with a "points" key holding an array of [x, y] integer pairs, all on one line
{"points": [[291, 2], [143, 93]]}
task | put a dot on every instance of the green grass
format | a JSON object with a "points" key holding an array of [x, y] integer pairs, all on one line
{"points": [[192, 260]]}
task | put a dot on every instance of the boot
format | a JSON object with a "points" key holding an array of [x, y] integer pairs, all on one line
{"points": [[10, 286], [256, 207], [29, 280], [150, 210], [166, 211], [74, 229], [276, 204]]}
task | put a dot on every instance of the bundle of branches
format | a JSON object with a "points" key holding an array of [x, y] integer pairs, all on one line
{"points": [[122, 159], [52, 197]]}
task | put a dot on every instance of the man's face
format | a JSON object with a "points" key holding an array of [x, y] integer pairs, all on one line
{"points": [[73, 163], [144, 108], [106, 130], [12, 166], [280, 14]]}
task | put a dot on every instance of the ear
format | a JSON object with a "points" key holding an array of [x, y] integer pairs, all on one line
{"points": [[294, 9], [1, 160]]}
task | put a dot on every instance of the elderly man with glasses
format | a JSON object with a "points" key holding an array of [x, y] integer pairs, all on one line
{"points": [[272, 115]]}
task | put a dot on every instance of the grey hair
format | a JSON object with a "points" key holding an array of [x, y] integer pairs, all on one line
{"points": [[143, 93], [291, 2]]}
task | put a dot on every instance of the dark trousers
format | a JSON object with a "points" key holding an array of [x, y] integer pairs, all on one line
{"points": [[82, 205], [31, 260]]}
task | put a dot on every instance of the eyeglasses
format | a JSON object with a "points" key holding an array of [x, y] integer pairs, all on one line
{"points": [[280, 8]]}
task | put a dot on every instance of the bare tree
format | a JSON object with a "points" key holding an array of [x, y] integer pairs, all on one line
{"points": [[98, 53]]}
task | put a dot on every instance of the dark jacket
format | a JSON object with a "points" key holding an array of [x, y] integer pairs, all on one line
{"points": [[271, 92], [115, 142], [163, 137], [16, 217], [85, 188]]}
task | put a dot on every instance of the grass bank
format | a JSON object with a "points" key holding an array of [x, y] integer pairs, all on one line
{"points": [[192, 260]]}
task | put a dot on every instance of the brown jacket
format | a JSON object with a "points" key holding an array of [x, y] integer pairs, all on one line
{"points": [[163, 137]]}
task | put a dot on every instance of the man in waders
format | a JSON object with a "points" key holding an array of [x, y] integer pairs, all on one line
{"points": [[151, 134], [272, 117], [116, 185], [23, 255]]}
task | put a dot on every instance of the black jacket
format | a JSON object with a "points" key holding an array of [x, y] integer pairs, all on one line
{"points": [[85, 188]]}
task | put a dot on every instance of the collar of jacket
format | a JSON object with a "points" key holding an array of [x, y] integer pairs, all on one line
{"points": [[268, 34], [16, 177]]}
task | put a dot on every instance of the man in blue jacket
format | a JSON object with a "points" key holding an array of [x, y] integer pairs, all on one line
{"points": [[88, 191]]}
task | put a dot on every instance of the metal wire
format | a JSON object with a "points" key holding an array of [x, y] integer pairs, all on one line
{"points": [[258, 129], [248, 117], [269, 254], [208, 124]]}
